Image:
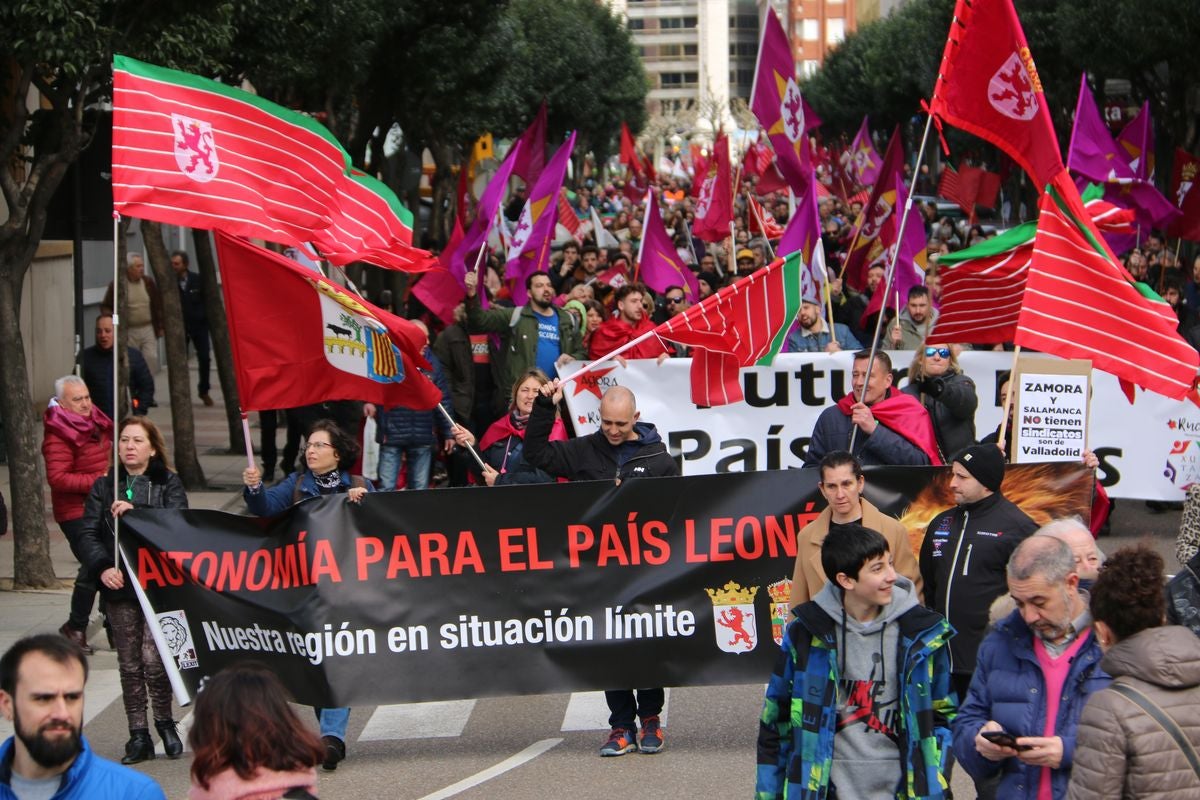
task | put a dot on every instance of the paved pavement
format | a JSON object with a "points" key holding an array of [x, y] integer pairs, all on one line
{"points": [[501, 748]]}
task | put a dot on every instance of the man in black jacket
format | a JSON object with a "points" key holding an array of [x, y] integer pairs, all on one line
{"points": [[624, 447], [96, 366], [966, 550], [195, 319]]}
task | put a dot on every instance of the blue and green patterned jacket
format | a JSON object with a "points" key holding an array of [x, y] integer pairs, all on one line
{"points": [[799, 718]]}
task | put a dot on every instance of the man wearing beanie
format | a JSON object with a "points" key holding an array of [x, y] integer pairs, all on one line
{"points": [[966, 550]]}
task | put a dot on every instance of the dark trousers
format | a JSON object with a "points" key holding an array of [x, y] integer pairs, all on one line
{"points": [[83, 596], [625, 707], [268, 422], [139, 665], [984, 789], [198, 336]]}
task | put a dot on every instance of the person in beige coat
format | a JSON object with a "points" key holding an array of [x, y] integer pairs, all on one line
{"points": [[842, 485], [1121, 751]]}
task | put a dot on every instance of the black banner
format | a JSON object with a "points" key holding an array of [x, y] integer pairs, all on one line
{"points": [[462, 593]]}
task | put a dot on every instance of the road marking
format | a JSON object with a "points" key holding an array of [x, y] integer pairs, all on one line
{"points": [[512, 762], [418, 720], [588, 711]]}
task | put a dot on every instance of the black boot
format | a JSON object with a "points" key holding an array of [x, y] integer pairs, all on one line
{"points": [[335, 752], [139, 748], [172, 746]]}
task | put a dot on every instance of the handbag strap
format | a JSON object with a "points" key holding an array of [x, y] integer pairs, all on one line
{"points": [[1164, 721]]}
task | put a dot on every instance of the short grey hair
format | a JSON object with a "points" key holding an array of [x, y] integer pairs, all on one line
{"points": [[129, 257], [1046, 556], [60, 385]]}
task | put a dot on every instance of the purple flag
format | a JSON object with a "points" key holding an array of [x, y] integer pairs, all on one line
{"points": [[803, 235], [782, 112], [532, 159], [529, 250], [1138, 140], [865, 162], [659, 264], [485, 215], [1096, 157]]}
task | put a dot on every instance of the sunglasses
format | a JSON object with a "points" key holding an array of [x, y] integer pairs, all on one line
{"points": [[942, 352], [673, 300]]}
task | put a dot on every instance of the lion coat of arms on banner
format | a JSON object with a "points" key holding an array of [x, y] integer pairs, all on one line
{"points": [[734, 617]]}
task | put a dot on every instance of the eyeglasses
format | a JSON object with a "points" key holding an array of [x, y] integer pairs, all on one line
{"points": [[318, 446], [673, 300], [942, 352]]}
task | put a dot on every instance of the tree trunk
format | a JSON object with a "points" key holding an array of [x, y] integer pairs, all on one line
{"points": [[443, 189], [178, 376], [32, 566], [218, 328]]}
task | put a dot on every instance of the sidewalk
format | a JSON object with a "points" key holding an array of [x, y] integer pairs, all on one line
{"points": [[222, 470]]}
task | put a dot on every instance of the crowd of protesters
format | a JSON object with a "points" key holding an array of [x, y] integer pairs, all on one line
{"points": [[965, 679]]}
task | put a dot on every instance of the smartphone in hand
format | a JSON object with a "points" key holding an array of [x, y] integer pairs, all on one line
{"points": [[1004, 739]]}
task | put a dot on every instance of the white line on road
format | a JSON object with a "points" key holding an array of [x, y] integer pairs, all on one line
{"points": [[512, 762]]}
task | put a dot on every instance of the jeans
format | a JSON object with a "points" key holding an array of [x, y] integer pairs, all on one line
{"points": [[334, 721], [420, 459], [83, 596]]}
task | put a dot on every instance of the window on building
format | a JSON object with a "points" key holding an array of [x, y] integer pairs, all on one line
{"points": [[835, 30], [637, 24], [744, 21], [810, 67], [810, 30], [674, 23], [678, 80], [745, 49]]}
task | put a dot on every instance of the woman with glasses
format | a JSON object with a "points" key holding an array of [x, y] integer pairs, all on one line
{"points": [[936, 380], [328, 456]]}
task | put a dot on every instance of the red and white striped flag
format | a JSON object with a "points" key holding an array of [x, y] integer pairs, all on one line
{"points": [[742, 324], [982, 286], [762, 221], [1080, 303], [191, 151], [567, 217]]}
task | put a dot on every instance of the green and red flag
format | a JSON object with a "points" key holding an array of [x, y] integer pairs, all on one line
{"points": [[743, 324], [299, 338], [1081, 303], [191, 151]]}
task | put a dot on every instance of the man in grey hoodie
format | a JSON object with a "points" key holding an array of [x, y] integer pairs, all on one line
{"points": [[860, 702]]}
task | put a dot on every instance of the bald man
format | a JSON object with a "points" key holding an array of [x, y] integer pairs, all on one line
{"points": [[624, 447]]}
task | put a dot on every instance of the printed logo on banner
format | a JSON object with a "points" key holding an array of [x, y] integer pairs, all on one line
{"points": [[781, 607], [178, 636], [1182, 466], [597, 381], [733, 613]]}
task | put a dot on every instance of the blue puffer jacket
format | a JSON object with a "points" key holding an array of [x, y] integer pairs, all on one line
{"points": [[1008, 687], [270, 500], [89, 777], [407, 427]]}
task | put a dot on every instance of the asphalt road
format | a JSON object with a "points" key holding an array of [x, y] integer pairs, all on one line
{"points": [[546, 746]]}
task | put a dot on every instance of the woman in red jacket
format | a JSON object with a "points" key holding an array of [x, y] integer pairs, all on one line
{"points": [[77, 447]]}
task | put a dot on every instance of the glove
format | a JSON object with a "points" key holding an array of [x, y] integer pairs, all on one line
{"points": [[933, 386]]}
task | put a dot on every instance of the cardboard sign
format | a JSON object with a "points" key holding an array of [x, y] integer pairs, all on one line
{"points": [[1051, 409]]}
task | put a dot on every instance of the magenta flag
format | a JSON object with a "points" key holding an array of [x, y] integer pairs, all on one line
{"points": [[779, 107], [1138, 140], [1095, 156], [803, 235], [865, 161], [529, 250], [532, 158], [910, 263], [659, 264], [463, 256]]}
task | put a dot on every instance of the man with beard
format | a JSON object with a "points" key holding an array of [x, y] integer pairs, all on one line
{"points": [[810, 334], [41, 693], [631, 322], [535, 335], [1036, 670], [915, 323]]}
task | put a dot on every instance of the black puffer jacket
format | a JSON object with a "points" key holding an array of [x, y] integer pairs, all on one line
{"points": [[963, 561], [158, 487], [951, 401], [1183, 596], [592, 458]]}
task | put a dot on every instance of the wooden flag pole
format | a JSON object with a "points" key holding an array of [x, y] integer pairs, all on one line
{"points": [[762, 228], [1012, 375]]}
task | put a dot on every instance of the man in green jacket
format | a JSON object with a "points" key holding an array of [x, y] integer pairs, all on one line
{"points": [[535, 335]]}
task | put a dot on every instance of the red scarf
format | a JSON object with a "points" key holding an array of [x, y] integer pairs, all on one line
{"points": [[904, 415]]}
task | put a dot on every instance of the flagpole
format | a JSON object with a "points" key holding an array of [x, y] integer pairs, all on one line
{"points": [[1012, 374], [609, 357], [246, 435], [737, 180], [116, 376], [890, 274], [687, 231], [761, 225], [853, 242], [454, 424], [637, 267]]}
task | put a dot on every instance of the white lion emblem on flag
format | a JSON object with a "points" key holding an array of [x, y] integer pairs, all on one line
{"points": [[1011, 90], [791, 111], [195, 148]]}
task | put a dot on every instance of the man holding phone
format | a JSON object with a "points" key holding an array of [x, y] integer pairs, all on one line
{"points": [[1034, 673]]}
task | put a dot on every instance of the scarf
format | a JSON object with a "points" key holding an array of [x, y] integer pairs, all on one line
{"points": [[904, 415], [77, 429], [329, 483]]}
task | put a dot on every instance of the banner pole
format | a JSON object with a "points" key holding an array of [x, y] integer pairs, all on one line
{"points": [[116, 381], [762, 228], [1012, 375], [454, 424], [164, 650], [246, 435]]}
